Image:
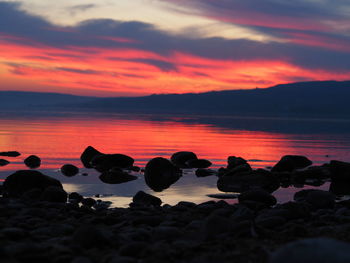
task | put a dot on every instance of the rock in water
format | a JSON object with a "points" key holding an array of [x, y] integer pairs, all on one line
{"points": [[146, 199], [69, 170], [105, 162], [288, 163], [160, 173], [340, 171], [317, 198], [198, 163], [32, 161], [10, 154], [316, 250], [88, 154], [22, 181], [54, 194], [179, 159], [233, 161], [4, 162], [116, 176], [260, 196]]}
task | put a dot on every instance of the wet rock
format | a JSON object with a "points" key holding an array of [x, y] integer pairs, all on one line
{"points": [[105, 162], [289, 163], [340, 188], [216, 225], [88, 154], [22, 181], [340, 171], [198, 163], [315, 172], [317, 198], [179, 159], [205, 172], [69, 170], [260, 196], [32, 161], [143, 198], [89, 236], [3, 162], [245, 182], [316, 250], [75, 196], [233, 161], [54, 194], [89, 202], [116, 176], [242, 168], [10, 154], [160, 173], [297, 209]]}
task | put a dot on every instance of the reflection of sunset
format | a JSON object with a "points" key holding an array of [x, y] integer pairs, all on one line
{"points": [[59, 140]]}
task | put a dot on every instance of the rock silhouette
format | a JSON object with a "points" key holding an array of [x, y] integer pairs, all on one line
{"points": [[179, 159], [32, 161], [10, 154]]}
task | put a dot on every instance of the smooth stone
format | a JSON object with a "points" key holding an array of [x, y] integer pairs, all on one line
{"points": [[260, 196], [105, 162], [4, 162], [89, 202], [90, 236], [54, 194], [317, 198], [289, 163], [315, 250], [10, 154], [75, 196], [201, 172], [239, 169], [179, 159], [22, 181], [216, 225], [69, 170], [198, 163], [116, 176], [88, 154], [160, 174], [233, 161], [340, 171], [146, 199], [32, 161]]}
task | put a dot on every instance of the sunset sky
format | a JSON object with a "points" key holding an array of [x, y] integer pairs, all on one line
{"points": [[140, 47]]}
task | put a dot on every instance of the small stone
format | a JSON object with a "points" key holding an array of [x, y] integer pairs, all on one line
{"points": [[32, 161], [146, 199], [69, 170]]}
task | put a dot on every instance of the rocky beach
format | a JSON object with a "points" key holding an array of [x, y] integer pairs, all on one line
{"points": [[41, 222]]}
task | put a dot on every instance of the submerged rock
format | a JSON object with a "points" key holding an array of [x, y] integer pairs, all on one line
{"points": [[88, 154], [143, 198], [4, 162], [116, 176], [105, 162], [160, 173], [18, 183], [179, 159], [32, 161], [10, 154], [69, 170]]}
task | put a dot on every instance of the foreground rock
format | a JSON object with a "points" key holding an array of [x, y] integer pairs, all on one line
{"points": [[10, 154], [142, 198], [160, 173], [340, 171], [32, 161]]}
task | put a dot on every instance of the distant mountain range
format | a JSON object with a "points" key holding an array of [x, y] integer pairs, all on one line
{"points": [[316, 99]]}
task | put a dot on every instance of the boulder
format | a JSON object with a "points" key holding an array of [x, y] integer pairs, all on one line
{"points": [[318, 199], [315, 250], [289, 163], [160, 173], [89, 202], [340, 171], [22, 181], [143, 198], [69, 170], [75, 196], [10, 154], [105, 162], [242, 168], [259, 195], [179, 159], [54, 194], [116, 176], [340, 188], [4, 162], [201, 172], [198, 163], [32, 161], [88, 154], [233, 161]]}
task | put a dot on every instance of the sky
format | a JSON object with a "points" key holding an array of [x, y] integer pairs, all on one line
{"points": [[140, 47]]}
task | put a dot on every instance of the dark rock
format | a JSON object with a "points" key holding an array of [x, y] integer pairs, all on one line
{"points": [[89, 236], [146, 199], [133, 249], [89, 202], [32, 161], [316, 250], [116, 176], [54, 194], [297, 209], [179, 159], [198, 163], [4, 162], [260, 196], [233, 161], [135, 169], [340, 171], [244, 182], [33, 194], [88, 154], [289, 163], [10, 154], [160, 173], [223, 196], [69, 170], [205, 172], [75, 196], [216, 225], [105, 162], [20, 182], [340, 188], [271, 222], [242, 213], [317, 198], [242, 168]]}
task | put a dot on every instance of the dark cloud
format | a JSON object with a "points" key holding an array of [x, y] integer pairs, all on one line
{"points": [[160, 64], [99, 33]]}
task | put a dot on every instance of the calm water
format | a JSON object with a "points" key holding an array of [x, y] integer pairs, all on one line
{"points": [[60, 139]]}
